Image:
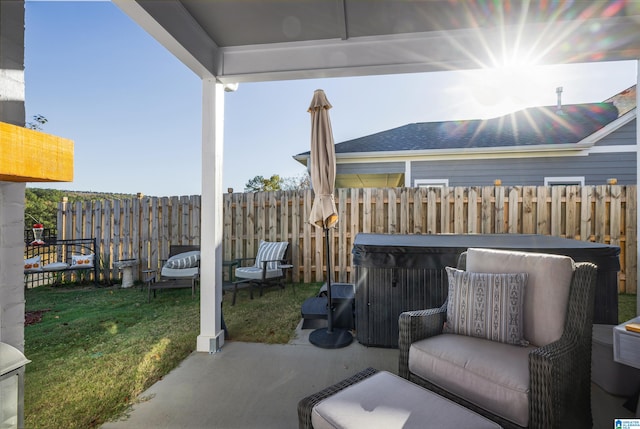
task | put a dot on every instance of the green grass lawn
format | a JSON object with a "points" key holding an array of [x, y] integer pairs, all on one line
{"points": [[96, 349], [626, 307]]}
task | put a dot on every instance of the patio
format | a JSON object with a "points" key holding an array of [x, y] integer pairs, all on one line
{"points": [[253, 385]]}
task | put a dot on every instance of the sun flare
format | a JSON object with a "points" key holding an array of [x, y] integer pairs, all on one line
{"points": [[513, 86]]}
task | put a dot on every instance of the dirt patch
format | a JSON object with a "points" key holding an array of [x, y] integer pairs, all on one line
{"points": [[33, 317]]}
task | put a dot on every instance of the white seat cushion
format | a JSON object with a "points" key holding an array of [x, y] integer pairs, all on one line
{"points": [[492, 375], [255, 273], [387, 401], [178, 273], [547, 291], [55, 266]]}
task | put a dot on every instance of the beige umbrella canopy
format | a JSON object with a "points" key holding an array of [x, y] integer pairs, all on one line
{"points": [[323, 211], [323, 163]]}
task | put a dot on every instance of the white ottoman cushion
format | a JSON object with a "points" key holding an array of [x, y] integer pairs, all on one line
{"points": [[387, 401]]}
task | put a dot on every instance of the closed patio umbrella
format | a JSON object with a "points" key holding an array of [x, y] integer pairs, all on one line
{"points": [[323, 211]]}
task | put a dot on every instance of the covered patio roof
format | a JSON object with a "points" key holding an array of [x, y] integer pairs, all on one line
{"points": [[263, 40], [226, 42]]}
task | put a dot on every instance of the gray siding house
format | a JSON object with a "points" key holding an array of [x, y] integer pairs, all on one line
{"points": [[583, 144]]}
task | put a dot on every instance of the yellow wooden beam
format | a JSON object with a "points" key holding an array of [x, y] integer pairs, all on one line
{"points": [[33, 156]]}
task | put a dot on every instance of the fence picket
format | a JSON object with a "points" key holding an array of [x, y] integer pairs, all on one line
{"points": [[514, 222], [572, 230], [528, 210]]}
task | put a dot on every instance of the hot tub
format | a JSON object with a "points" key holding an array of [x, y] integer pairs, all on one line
{"points": [[396, 273]]}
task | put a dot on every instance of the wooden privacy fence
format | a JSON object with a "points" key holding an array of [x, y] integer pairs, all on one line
{"points": [[142, 228]]}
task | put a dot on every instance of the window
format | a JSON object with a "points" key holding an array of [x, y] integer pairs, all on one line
{"points": [[430, 183], [572, 180]]}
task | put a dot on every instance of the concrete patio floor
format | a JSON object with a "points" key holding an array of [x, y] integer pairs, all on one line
{"points": [[253, 385]]}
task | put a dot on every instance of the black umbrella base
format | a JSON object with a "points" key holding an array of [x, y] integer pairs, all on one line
{"points": [[336, 339]]}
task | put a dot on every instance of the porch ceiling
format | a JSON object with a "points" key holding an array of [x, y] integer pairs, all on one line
{"points": [[261, 40]]}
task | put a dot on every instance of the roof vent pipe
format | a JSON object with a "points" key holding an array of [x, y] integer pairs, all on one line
{"points": [[559, 107]]}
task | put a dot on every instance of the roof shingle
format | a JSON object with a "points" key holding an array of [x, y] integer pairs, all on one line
{"points": [[528, 127]]}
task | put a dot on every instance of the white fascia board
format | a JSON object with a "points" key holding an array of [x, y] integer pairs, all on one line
{"points": [[619, 148], [302, 159], [466, 153], [408, 53], [147, 22], [592, 139]]}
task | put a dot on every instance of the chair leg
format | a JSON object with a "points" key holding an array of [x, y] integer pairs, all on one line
{"points": [[235, 292]]}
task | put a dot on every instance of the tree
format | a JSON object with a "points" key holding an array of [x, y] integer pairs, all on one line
{"points": [[297, 183], [260, 184], [277, 183], [41, 205]]}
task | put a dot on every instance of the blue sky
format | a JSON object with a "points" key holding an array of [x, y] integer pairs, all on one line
{"points": [[134, 111]]}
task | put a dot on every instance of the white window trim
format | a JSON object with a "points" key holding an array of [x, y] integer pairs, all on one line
{"points": [[567, 180], [430, 183]]}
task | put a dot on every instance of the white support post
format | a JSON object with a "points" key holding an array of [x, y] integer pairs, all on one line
{"points": [[211, 336]]}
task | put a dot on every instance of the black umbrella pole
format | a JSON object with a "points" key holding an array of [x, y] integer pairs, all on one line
{"points": [[329, 300], [328, 338]]}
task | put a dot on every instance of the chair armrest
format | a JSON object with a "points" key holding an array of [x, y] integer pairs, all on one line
{"points": [[240, 260], [280, 262], [560, 372], [559, 375], [264, 266], [414, 326], [149, 276]]}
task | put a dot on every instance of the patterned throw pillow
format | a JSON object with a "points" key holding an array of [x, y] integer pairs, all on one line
{"points": [[184, 260], [486, 305], [32, 264], [82, 261]]}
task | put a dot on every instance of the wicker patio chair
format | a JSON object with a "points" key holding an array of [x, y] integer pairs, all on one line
{"points": [[559, 394]]}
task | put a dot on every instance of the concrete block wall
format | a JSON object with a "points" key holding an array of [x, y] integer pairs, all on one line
{"points": [[12, 95]]}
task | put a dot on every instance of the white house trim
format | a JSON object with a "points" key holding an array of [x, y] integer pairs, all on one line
{"points": [[564, 180], [621, 148], [430, 182], [592, 139]]}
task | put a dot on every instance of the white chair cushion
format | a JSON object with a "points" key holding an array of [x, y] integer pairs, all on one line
{"points": [[255, 273], [387, 401], [55, 266], [492, 375], [178, 273], [547, 292]]}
